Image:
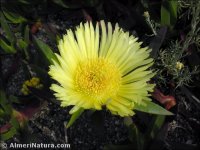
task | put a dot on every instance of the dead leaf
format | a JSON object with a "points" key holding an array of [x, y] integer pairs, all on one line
{"points": [[167, 100]]}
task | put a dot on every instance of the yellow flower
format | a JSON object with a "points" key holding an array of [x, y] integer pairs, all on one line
{"points": [[146, 14], [33, 82], [179, 65], [101, 67]]}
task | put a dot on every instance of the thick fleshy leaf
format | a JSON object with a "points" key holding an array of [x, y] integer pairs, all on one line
{"points": [[46, 50], [9, 34], [7, 48], [154, 126], [27, 34], [169, 12], [4, 103], [13, 16], [75, 116], [14, 121], [14, 99], [27, 41], [152, 108], [22, 44], [61, 3], [136, 137], [2, 113], [24, 1], [9, 134]]}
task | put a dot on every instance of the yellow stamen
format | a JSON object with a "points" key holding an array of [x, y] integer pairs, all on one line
{"points": [[97, 78]]}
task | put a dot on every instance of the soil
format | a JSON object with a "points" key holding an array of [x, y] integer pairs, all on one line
{"points": [[185, 127]]}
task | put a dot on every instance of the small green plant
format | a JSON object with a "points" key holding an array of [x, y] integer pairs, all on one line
{"points": [[139, 140], [11, 42], [172, 59], [8, 118]]}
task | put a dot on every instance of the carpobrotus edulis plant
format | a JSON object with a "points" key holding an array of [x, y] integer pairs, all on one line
{"points": [[102, 67]]}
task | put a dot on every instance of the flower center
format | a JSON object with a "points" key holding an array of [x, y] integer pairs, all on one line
{"points": [[97, 78]]}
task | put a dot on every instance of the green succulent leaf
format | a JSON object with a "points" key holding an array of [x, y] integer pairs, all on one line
{"points": [[9, 34], [9, 134], [61, 3], [152, 108], [169, 12], [24, 1], [2, 113], [157, 123], [7, 48], [46, 50], [14, 99], [27, 41], [75, 116], [14, 122], [136, 137], [13, 17], [4, 103], [22, 44], [8, 110]]}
